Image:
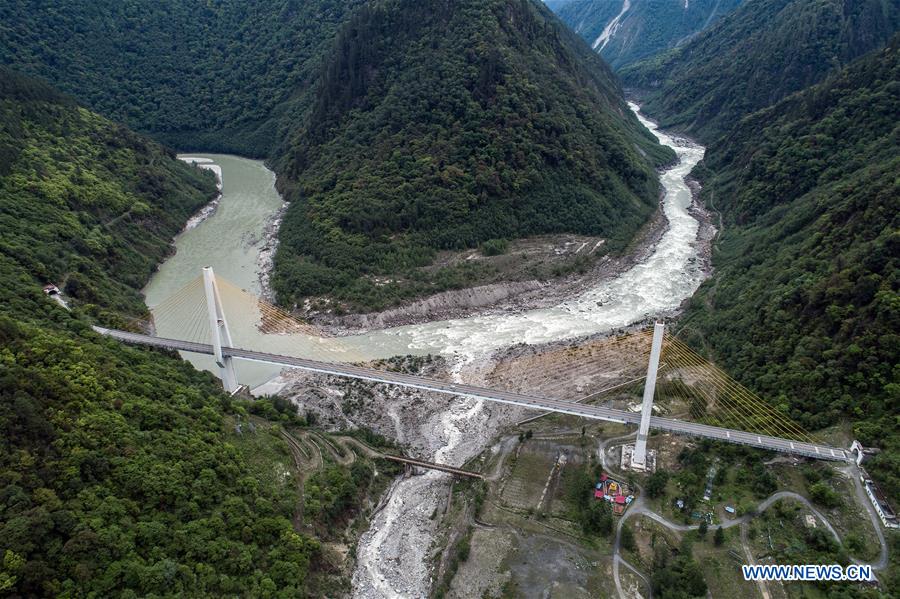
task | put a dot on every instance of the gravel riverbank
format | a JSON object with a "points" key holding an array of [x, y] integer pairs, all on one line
{"points": [[662, 270]]}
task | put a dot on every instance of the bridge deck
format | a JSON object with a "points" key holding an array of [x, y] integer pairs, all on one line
{"points": [[812, 450], [431, 465]]}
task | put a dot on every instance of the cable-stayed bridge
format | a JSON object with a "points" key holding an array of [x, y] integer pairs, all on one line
{"points": [[725, 410]]}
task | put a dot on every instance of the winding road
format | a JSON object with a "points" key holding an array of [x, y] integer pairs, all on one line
{"points": [[639, 508]]}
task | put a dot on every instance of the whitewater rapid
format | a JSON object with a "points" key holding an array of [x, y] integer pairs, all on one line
{"points": [[654, 286], [393, 555]]}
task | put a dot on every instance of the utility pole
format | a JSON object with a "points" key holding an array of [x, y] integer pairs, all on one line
{"points": [[639, 457], [218, 327]]}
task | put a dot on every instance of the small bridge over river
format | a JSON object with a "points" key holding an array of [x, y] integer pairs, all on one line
{"points": [[762, 426]]}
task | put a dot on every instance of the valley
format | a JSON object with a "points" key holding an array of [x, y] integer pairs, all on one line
{"points": [[425, 233], [659, 275], [652, 281]]}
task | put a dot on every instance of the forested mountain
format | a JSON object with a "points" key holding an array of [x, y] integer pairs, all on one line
{"points": [[625, 31], [442, 125], [84, 202], [426, 125], [804, 305], [117, 473], [755, 56], [217, 76]]}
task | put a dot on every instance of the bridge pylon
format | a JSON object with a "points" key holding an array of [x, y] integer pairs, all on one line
{"points": [[218, 327], [639, 457]]}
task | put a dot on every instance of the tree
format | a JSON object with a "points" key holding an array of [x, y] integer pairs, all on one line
{"points": [[598, 518], [676, 577], [656, 483], [627, 539], [703, 528], [494, 247], [823, 494], [719, 537]]}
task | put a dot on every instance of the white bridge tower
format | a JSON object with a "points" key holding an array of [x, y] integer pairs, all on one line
{"points": [[639, 457], [218, 327]]}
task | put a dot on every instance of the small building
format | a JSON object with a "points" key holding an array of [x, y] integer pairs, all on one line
{"points": [[51, 289], [710, 476], [879, 502], [679, 503], [614, 492], [729, 509], [863, 454]]}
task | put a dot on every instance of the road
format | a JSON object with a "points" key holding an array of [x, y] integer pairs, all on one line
{"points": [[639, 508], [812, 450], [853, 472]]}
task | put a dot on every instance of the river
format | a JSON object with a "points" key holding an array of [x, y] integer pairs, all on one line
{"points": [[392, 554], [231, 239]]}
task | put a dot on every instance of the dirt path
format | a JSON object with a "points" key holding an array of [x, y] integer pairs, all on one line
{"points": [[639, 508], [745, 545]]}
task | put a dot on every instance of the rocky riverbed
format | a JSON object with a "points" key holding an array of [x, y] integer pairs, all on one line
{"points": [[394, 555], [471, 330]]}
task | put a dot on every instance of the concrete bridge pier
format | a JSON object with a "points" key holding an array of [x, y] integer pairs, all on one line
{"points": [[218, 327], [639, 457]]}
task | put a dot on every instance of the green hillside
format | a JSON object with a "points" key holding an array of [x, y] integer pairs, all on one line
{"points": [[120, 471], [425, 126], [804, 306], [441, 126], [755, 56], [84, 202], [645, 28], [221, 76]]}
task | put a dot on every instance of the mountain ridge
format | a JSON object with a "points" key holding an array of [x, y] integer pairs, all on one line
{"points": [[444, 126], [804, 303], [626, 32], [758, 54], [275, 82], [96, 461], [218, 76]]}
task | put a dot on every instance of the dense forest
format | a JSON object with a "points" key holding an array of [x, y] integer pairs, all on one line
{"points": [[755, 56], [119, 475], [646, 28], [222, 76], [84, 202], [804, 306], [423, 126], [442, 126]]}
